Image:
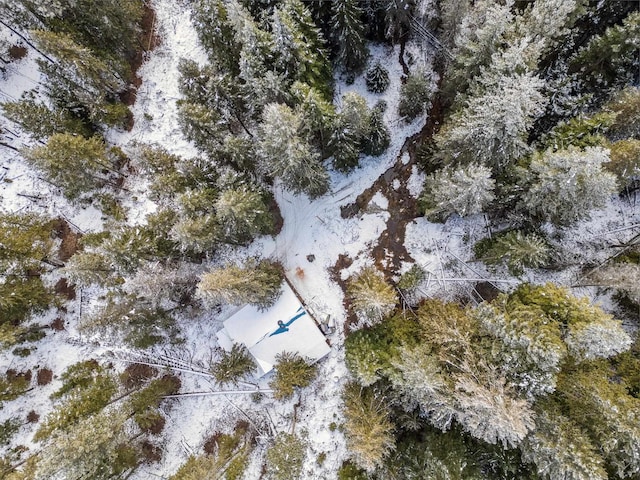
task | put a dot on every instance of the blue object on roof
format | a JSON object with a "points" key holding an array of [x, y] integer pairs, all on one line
{"points": [[283, 326]]}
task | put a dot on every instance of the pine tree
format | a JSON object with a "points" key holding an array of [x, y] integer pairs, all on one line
{"points": [[285, 457], [415, 95], [626, 107], [81, 81], [349, 135], [242, 214], [25, 242], [372, 298], [378, 138], [292, 371], [610, 60], [377, 78], [89, 450], [89, 268], [210, 18], [624, 161], [348, 35], [300, 47], [73, 163], [41, 121], [398, 19], [368, 429], [560, 449], [568, 184], [198, 234], [233, 365], [131, 320], [317, 116], [516, 250], [491, 127], [465, 190], [286, 155], [257, 284]]}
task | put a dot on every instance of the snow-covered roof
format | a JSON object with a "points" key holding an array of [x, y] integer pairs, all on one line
{"points": [[265, 338]]}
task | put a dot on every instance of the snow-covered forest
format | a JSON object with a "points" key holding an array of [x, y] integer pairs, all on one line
{"points": [[449, 188]]}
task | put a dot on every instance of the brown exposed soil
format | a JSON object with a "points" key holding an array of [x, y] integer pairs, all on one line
{"points": [[57, 324], [70, 239], [151, 453], [389, 251], [44, 376], [33, 417], [148, 40], [16, 52], [136, 374], [65, 290]]}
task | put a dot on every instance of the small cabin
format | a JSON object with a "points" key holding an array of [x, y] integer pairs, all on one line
{"points": [[287, 326]]}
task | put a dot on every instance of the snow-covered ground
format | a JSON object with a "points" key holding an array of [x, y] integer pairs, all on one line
{"points": [[311, 228]]}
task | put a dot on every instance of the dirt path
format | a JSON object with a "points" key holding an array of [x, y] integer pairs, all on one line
{"points": [[389, 251]]}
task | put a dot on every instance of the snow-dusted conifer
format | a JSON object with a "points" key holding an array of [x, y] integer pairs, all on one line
{"points": [[210, 17], [398, 17], [349, 135], [233, 365], [377, 78], [317, 116], [561, 449], [349, 35], [378, 136], [88, 268], [89, 449], [492, 126], [624, 161], [415, 94], [568, 184], [75, 164], [517, 251], [284, 154], [368, 429], [372, 298], [465, 190], [292, 371], [255, 283], [299, 47], [242, 214]]}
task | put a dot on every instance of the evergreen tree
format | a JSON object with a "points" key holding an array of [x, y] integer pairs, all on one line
{"points": [[415, 94], [242, 214], [610, 60], [210, 18], [131, 320], [368, 429], [372, 298], [286, 155], [377, 78], [292, 371], [348, 35], [491, 127], [378, 138], [624, 161], [465, 190], [560, 449], [257, 284], [351, 128], [317, 116], [516, 250], [568, 184], [398, 19], [285, 457], [25, 242], [74, 163], [299, 47], [233, 365], [89, 450], [80, 81], [89, 268], [41, 121]]}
